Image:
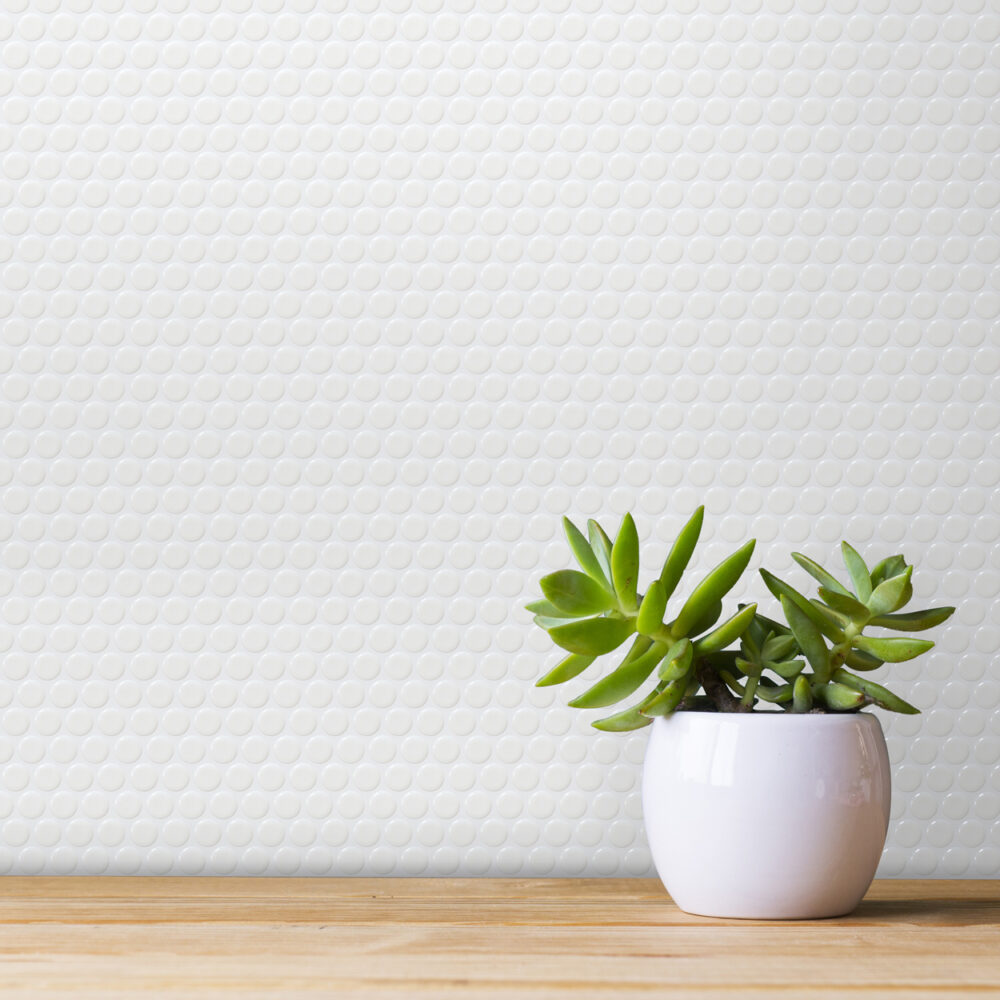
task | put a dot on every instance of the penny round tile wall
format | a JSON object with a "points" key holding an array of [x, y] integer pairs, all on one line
{"points": [[317, 316]]}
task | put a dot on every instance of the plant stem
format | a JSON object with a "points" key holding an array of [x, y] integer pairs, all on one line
{"points": [[715, 688], [749, 691]]}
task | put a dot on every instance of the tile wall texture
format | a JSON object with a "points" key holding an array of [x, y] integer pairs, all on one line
{"points": [[316, 317]]}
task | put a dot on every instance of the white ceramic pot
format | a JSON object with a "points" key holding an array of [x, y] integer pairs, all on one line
{"points": [[766, 815]]}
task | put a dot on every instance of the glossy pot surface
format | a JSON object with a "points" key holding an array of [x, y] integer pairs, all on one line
{"points": [[766, 815]]}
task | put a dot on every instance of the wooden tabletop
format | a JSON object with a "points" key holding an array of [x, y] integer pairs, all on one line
{"points": [[478, 938]]}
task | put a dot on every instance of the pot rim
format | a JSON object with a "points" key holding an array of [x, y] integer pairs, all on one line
{"points": [[794, 718]]}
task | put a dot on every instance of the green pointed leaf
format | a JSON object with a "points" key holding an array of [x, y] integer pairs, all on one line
{"points": [[667, 700], [729, 631], [592, 636], [778, 647], [839, 697], [858, 571], [788, 669], [639, 646], [757, 633], [625, 564], [678, 661], [862, 661], [713, 588], [846, 605], [775, 628], [808, 636], [546, 622], [650, 619], [708, 618], [777, 694], [878, 694], [680, 552], [585, 556], [827, 625], [914, 621], [892, 566], [623, 721], [601, 545], [802, 696], [620, 683], [834, 622], [893, 650], [746, 667], [733, 682], [817, 572], [889, 594], [566, 670], [548, 610], [576, 593]]}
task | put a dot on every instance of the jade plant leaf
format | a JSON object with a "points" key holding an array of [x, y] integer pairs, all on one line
{"points": [[807, 635], [622, 682], [576, 593], [681, 552], [889, 595], [585, 555], [625, 564], [893, 650], [592, 636], [913, 621], [713, 588], [858, 571], [566, 669]]}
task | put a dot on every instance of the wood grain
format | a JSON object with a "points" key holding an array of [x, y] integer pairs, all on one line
{"points": [[478, 938]]}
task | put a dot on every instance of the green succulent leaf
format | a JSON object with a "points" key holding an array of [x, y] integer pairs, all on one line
{"points": [[875, 692], [817, 572], [857, 570], [827, 625], [889, 595], [887, 568], [860, 660], [839, 697], [650, 618], [576, 593], [585, 555], [639, 646], [601, 545], [680, 552], [846, 605], [808, 636], [547, 609], [775, 628], [893, 650], [788, 669], [802, 696], [625, 564], [622, 722], [778, 647], [592, 636], [729, 631], [678, 661], [667, 700], [709, 617], [620, 683], [546, 622], [777, 694], [566, 670], [913, 621], [756, 635], [713, 588]]}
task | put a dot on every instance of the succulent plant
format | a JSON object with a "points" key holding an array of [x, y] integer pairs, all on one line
{"points": [[805, 664]]}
